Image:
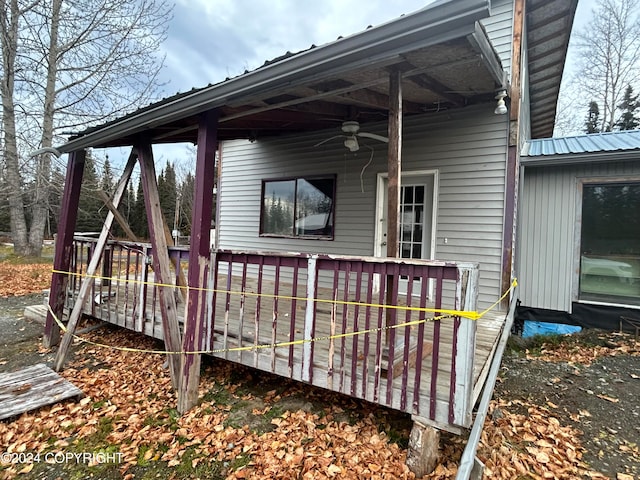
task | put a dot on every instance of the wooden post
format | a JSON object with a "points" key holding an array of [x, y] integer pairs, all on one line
{"points": [[422, 453], [199, 258], [88, 280], [162, 274], [394, 167], [63, 246], [513, 155], [394, 162]]}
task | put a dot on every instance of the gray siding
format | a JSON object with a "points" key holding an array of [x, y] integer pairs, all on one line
{"points": [[499, 29], [548, 215], [468, 148]]}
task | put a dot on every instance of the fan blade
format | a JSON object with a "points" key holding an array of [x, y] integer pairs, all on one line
{"points": [[328, 139], [373, 136]]}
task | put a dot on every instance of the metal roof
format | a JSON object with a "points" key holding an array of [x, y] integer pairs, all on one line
{"points": [[444, 54], [595, 142]]}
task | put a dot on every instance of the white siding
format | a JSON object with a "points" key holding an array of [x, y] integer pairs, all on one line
{"points": [[499, 29], [548, 217], [467, 147]]}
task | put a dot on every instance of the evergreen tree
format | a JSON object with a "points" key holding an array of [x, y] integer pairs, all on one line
{"points": [[629, 119], [168, 193], [186, 203], [138, 219], [592, 123], [91, 211], [107, 182]]}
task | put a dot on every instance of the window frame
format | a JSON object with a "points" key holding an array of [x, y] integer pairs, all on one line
{"points": [[577, 259], [296, 179]]}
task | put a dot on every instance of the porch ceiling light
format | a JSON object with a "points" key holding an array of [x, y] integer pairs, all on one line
{"points": [[501, 108], [351, 143]]}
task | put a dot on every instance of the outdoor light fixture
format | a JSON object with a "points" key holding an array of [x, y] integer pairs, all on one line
{"points": [[351, 143], [501, 108]]}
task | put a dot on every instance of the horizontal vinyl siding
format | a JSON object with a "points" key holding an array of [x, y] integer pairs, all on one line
{"points": [[499, 28], [468, 148], [548, 215]]}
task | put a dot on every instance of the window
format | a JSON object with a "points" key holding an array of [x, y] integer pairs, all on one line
{"points": [[298, 207], [610, 243]]}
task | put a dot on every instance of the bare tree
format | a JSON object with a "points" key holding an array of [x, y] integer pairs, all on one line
{"points": [[65, 65], [608, 50]]}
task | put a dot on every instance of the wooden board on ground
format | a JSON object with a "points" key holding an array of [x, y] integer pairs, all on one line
{"points": [[33, 387]]}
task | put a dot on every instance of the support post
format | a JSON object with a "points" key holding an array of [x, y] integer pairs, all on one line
{"points": [[394, 168], [199, 258], [88, 280], [162, 274], [63, 246], [513, 155], [422, 453]]}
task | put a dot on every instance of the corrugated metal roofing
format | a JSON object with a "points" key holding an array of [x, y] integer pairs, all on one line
{"points": [[580, 144]]}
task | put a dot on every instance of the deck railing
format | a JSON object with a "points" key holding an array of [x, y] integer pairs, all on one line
{"points": [[384, 330]]}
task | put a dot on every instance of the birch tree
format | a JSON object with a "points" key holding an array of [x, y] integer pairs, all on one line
{"points": [[608, 50], [67, 64]]}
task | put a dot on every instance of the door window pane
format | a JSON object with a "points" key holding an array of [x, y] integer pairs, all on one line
{"points": [[610, 243]]}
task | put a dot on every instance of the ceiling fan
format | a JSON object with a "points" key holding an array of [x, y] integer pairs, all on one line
{"points": [[351, 132]]}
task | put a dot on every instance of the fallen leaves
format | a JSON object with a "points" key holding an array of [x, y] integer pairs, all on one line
{"points": [[573, 350], [23, 279]]}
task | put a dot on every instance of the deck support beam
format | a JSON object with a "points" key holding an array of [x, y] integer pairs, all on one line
{"points": [[199, 258], [422, 453], [89, 274], [63, 246], [161, 261]]}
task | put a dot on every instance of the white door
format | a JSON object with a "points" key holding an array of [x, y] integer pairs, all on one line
{"points": [[417, 210]]}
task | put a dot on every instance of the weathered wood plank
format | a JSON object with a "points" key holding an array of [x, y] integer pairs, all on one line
{"points": [[161, 261], [33, 387]]}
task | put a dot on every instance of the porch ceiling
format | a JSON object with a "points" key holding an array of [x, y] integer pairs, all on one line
{"points": [[445, 56]]}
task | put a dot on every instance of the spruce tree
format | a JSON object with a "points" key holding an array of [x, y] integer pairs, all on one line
{"points": [[629, 119], [592, 123]]}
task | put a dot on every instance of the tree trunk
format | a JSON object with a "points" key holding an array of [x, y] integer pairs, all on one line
{"points": [[40, 210], [9, 43]]}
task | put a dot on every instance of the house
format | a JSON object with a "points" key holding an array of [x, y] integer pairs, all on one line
{"points": [[367, 200], [579, 249]]}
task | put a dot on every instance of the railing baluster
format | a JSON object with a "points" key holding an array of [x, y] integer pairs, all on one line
{"points": [[292, 316], [392, 321], [435, 356], [256, 332], [367, 326], [274, 324], [424, 290], [309, 319], [345, 320], [213, 300], [407, 340], [227, 307], [356, 339], [380, 335], [243, 300]]}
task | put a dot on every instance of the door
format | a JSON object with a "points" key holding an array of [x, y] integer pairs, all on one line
{"points": [[417, 200]]}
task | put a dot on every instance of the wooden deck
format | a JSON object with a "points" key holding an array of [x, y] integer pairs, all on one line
{"points": [[346, 338]]}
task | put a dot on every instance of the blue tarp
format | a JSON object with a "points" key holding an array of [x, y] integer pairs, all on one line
{"points": [[532, 328]]}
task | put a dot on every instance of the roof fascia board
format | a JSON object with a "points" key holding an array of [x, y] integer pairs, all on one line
{"points": [[575, 158], [434, 24]]}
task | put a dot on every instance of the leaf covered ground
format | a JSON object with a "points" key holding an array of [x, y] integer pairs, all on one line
{"points": [[561, 410]]}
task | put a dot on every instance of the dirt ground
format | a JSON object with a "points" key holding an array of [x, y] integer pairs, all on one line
{"points": [[596, 395]]}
